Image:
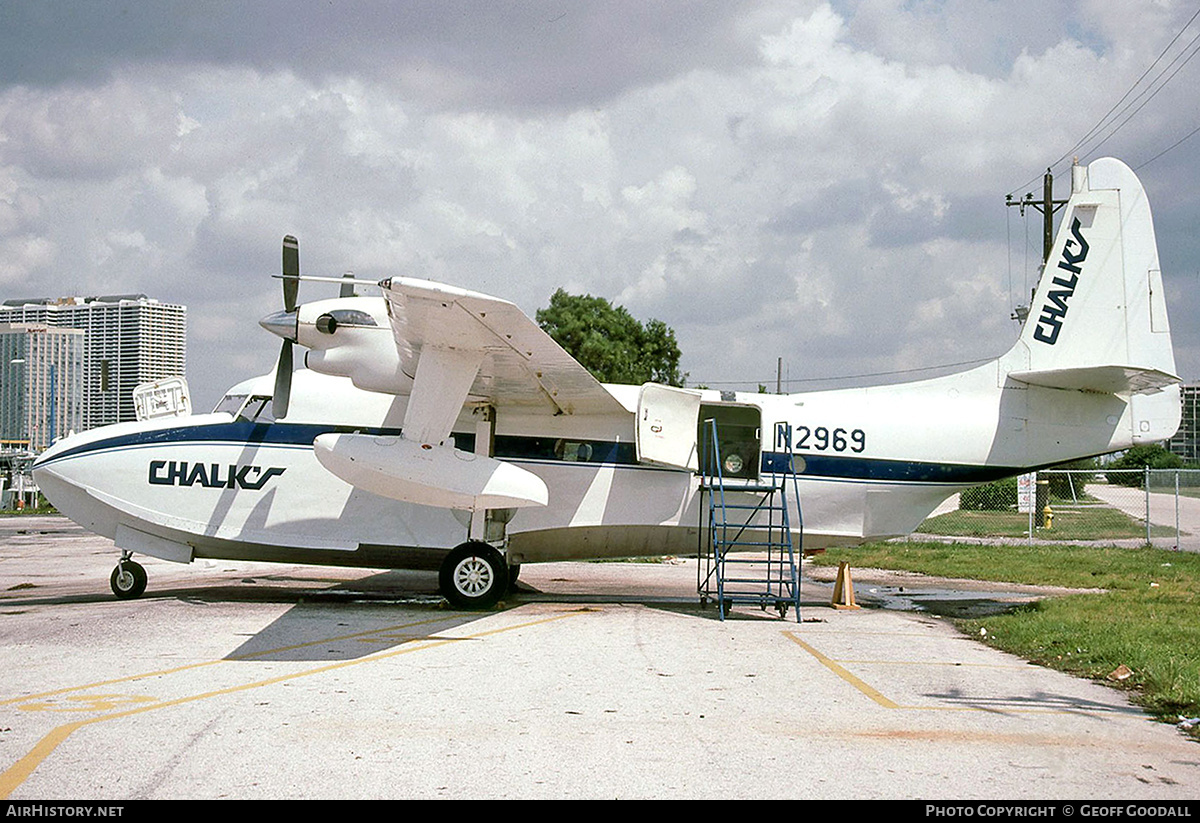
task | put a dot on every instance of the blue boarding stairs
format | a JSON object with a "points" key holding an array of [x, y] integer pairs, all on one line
{"points": [[750, 551]]}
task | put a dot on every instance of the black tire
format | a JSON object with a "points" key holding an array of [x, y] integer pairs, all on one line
{"points": [[128, 580], [473, 576], [513, 572]]}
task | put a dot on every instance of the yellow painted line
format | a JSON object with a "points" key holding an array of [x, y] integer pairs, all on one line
{"points": [[86, 703], [888, 703], [381, 632], [16, 774], [19, 771], [843, 673]]}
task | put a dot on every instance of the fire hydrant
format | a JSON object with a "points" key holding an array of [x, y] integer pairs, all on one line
{"points": [[1048, 517]]}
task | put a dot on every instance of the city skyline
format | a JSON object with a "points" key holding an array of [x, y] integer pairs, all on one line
{"points": [[127, 340]]}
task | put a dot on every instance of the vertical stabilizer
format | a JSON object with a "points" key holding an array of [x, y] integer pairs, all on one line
{"points": [[1098, 321]]}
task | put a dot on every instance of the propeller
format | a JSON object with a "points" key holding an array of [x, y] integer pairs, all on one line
{"points": [[291, 289], [285, 323]]}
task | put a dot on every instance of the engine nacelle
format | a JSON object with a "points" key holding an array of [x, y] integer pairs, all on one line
{"points": [[352, 337]]}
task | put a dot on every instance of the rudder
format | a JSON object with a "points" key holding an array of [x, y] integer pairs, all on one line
{"points": [[1098, 321]]}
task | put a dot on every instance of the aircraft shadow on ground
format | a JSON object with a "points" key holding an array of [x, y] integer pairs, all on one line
{"points": [[383, 612], [349, 620]]}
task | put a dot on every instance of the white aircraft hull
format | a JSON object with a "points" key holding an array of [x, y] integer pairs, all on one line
{"points": [[247, 489], [472, 407]]}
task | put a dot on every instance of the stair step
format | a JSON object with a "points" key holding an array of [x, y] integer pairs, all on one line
{"points": [[735, 580], [729, 489]]}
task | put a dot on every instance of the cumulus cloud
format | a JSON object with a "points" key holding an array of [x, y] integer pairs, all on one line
{"points": [[822, 182]]}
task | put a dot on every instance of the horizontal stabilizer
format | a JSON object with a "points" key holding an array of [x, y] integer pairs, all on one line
{"points": [[428, 475], [1102, 379]]}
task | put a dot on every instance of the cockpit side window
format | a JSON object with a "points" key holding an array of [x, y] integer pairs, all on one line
{"points": [[259, 410], [231, 404], [253, 409]]}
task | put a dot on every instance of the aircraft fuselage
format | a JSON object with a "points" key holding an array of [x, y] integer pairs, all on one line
{"points": [[870, 463]]}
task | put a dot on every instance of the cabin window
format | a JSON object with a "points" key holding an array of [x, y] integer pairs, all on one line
{"points": [[573, 452], [568, 451]]}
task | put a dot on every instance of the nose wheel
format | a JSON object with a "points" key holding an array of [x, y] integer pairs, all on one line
{"points": [[128, 579]]}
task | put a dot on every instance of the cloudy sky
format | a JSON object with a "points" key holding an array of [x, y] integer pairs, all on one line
{"points": [[818, 181]]}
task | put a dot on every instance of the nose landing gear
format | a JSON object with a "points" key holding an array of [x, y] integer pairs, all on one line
{"points": [[128, 579]]}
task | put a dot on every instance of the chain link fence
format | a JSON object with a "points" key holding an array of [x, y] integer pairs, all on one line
{"points": [[1156, 506]]}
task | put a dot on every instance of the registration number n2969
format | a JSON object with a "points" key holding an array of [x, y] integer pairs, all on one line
{"points": [[823, 438]]}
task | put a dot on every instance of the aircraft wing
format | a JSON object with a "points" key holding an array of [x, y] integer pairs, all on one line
{"points": [[460, 345]]}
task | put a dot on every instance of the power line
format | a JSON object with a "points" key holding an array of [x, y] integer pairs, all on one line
{"points": [[791, 380], [1168, 148], [1104, 121], [1151, 94], [1096, 128]]}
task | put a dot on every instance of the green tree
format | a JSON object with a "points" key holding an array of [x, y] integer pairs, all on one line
{"points": [[1139, 457], [610, 343]]}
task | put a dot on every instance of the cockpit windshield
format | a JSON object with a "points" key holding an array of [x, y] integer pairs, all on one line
{"points": [[254, 409]]}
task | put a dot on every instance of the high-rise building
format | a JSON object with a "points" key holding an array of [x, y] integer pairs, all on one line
{"points": [[129, 339], [41, 384], [1186, 442]]}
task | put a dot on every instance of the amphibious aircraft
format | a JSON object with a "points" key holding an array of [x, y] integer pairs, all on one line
{"points": [[440, 428]]}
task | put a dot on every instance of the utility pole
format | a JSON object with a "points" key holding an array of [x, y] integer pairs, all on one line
{"points": [[1047, 206]]}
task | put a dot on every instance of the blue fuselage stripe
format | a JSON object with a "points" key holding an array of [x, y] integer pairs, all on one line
{"points": [[815, 466], [889, 471]]}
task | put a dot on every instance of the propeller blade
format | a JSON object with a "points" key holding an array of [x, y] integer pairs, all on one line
{"points": [[347, 289], [291, 272], [283, 381]]}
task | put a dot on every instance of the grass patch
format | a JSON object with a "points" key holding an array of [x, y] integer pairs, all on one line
{"points": [[1147, 619], [1083, 523], [28, 511]]}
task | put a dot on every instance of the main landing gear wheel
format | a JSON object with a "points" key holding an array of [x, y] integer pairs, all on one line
{"points": [[473, 576], [128, 580]]}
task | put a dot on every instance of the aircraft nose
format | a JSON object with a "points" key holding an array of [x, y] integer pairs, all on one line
{"points": [[39, 462], [282, 323], [48, 474]]}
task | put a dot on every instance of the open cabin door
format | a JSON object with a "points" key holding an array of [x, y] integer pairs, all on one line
{"points": [[739, 438], [666, 426]]}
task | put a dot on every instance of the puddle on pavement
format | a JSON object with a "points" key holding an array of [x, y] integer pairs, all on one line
{"points": [[941, 601]]}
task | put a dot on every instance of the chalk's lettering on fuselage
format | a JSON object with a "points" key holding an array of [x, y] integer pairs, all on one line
{"points": [[210, 475], [1050, 321]]}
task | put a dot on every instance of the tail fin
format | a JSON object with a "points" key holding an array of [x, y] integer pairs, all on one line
{"points": [[1098, 321]]}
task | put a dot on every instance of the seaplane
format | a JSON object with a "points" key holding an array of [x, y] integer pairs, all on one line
{"points": [[439, 428]]}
